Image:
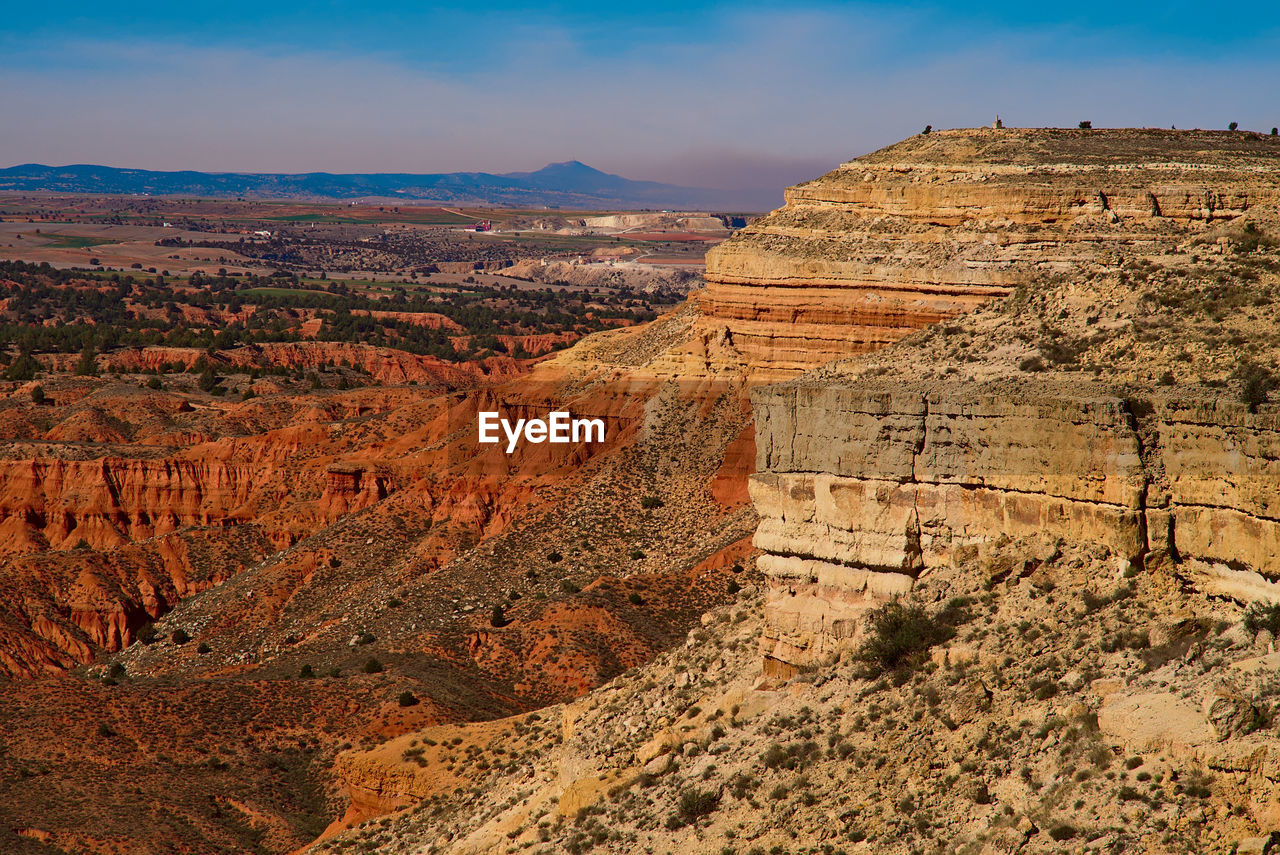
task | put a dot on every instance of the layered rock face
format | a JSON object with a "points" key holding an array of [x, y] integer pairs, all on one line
{"points": [[864, 484], [937, 224], [864, 488]]}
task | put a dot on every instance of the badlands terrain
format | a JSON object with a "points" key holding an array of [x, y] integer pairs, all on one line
{"points": [[169, 433], [941, 520]]}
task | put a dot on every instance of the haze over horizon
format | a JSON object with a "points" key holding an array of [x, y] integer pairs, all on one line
{"points": [[701, 94]]}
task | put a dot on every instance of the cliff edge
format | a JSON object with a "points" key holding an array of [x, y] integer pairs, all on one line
{"points": [[936, 225]]}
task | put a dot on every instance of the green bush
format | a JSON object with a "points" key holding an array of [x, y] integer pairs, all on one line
{"points": [[899, 635], [307, 672], [372, 666], [650, 502], [208, 380], [37, 394], [180, 636], [795, 755], [695, 804], [23, 368], [1260, 617], [1256, 384], [408, 699], [88, 364]]}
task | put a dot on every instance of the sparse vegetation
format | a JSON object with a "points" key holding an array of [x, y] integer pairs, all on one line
{"points": [[898, 635], [1263, 616], [696, 804], [1256, 384]]}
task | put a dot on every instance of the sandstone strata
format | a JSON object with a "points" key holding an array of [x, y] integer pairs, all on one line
{"points": [[937, 224], [863, 488]]}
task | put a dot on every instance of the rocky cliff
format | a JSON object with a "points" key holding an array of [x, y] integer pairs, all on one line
{"points": [[864, 488], [935, 225], [1108, 401]]}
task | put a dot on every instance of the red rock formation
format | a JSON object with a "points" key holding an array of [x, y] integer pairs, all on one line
{"points": [[351, 488]]}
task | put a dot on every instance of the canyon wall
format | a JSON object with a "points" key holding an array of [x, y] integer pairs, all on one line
{"points": [[939, 223], [861, 489], [864, 485]]}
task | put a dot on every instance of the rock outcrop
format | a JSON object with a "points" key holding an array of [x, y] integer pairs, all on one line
{"points": [[869, 477], [935, 225], [863, 488]]}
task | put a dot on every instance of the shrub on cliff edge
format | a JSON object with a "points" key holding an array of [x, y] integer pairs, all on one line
{"points": [[1256, 384]]}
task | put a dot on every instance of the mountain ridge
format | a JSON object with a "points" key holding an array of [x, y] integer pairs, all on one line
{"points": [[568, 183]]}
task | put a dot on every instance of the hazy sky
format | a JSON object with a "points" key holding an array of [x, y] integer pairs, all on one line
{"points": [[709, 94]]}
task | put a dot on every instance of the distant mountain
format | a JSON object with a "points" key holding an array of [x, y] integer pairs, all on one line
{"points": [[565, 185]]}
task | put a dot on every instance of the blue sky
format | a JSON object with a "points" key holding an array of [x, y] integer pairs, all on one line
{"points": [[714, 94]]}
